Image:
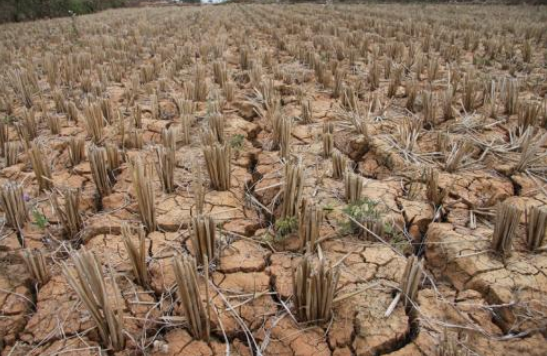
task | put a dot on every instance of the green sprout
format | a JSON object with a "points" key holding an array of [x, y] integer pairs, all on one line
{"points": [[40, 219], [236, 141], [396, 238], [285, 226], [361, 211]]}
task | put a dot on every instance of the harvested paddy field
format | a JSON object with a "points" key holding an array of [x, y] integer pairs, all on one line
{"points": [[275, 180]]}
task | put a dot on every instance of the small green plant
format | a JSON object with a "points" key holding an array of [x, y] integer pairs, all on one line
{"points": [[396, 237], [361, 211], [9, 119], [40, 219], [285, 226], [236, 141]]}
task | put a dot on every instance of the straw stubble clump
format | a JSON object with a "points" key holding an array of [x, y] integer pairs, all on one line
{"points": [[196, 313], [88, 281], [203, 237], [12, 201], [507, 221], [143, 185], [218, 161], [314, 290], [36, 266], [137, 252], [412, 277], [68, 212], [292, 189], [309, 225]]}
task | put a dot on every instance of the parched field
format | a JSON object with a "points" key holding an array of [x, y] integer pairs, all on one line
{"points": [[275, 180]]}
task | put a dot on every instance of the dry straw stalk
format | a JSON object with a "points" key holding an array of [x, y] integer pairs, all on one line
{"points": [[36, 265], [144, 190], [100, 170], [217, 159], [203, 237], [89, 284], [137, 253], [507, 221], [292, 191], [69, 213], [537, 227], [196, 313], [165, 167], [309, 225], [41, 168], [14, 206], [76, 150], [314, 290], [410, 282], [353, 184]]}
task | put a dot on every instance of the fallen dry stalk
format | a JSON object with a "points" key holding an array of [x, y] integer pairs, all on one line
{"points": [[457, 155], [196, 313], [530, 148]]}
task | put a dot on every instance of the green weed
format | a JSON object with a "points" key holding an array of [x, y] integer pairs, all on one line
{"points": [[40, 219]]}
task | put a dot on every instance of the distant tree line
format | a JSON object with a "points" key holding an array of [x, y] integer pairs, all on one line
{"points": [[24, 10]]}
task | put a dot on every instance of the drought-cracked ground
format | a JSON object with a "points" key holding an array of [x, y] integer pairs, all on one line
{"points": [[404, 87]]}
